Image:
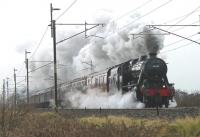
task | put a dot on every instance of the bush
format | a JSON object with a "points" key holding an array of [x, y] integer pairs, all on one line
{"points": [[184, 99]]}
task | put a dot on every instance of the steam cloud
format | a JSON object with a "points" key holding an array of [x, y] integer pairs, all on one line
{"points": [[116, 46], [94, 98]]}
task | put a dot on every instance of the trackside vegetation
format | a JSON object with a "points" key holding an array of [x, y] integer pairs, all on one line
{"points": [[28, 123]]}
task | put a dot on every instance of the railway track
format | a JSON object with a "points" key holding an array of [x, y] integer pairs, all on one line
{"points": [[137, 113]]}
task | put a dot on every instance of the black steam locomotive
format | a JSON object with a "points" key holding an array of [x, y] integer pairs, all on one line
{"points": [[145, 75]]}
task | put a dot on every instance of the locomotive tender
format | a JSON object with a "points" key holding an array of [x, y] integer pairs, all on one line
{"points": [[145, 75]]}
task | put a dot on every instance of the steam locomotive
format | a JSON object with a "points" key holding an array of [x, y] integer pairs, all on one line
{"points": [[146, 76]]}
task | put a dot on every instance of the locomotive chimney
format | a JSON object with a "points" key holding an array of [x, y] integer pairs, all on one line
{"points": [[152, 55]]}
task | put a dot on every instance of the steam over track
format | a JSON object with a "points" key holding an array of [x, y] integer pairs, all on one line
{"points": [[170, 113]]}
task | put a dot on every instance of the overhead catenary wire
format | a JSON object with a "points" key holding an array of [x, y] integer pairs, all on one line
{"points": [[174, 19], [146, 14], [186, 16], [135, 9], [40, 67], [60, 85], [33, 53], [181, 40], [66, 10], [76, 34], [177, 35], [177, 47], [50, 87], [21, 81], [36, 91], [40, 42], [184, 26]]}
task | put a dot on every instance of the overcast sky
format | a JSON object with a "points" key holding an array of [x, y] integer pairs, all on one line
{"points": [[23, 23]]}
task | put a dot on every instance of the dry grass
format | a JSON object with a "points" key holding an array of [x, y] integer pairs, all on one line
{"points": [[26, 123], [188, 127]]}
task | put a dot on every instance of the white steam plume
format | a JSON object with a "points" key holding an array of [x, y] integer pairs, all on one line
{"points": [[119, 45], [95, 98], [116, 47]]}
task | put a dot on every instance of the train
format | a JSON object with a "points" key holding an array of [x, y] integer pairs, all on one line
{"points": [[146, 76]]}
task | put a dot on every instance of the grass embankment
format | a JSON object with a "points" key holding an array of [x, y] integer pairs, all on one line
{"points": [[49, 124], [185, 127]]}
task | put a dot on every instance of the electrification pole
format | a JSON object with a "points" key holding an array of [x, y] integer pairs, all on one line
{"points": [[3, 111], [7, 90], [4, 93], [53, 35], [27, 76], [15, 96], [55, 62]]}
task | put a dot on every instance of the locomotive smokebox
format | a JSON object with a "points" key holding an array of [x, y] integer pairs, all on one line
{"points": [[152, 55], [142, 58]]}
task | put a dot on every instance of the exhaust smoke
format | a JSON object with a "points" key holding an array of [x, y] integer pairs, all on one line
{"points": [[95, 98], [115, 46]]}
